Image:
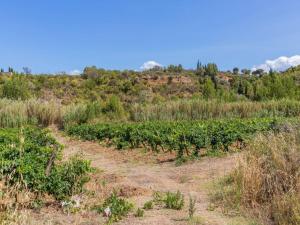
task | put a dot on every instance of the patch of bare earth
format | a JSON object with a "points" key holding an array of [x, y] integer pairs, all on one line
{"points": [[136, 175]]}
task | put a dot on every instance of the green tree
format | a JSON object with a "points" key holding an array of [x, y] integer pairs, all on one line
{"points": [[200, 71], [246, 71], [258, 72], [175, 68], [211, 69], [209, 90], [235, 71]]}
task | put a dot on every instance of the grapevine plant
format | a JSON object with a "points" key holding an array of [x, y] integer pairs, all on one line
{"points": [[30, 159], [181, 136]]}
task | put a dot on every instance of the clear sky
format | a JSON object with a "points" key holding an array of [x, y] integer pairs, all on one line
{"points": [[64, 35]]}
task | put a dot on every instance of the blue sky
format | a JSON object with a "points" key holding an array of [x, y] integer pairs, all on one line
{"points": [[64, 35]]}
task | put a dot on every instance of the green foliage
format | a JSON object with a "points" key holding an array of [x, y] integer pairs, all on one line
{"points": [[211, 70], [174, 200], [139, 213], [97, 84], [68, 178], [113, 106], [16, 87], [209, 90], [148, 205], [181, 137], [236, 71], [24, 156], [118, 207], [175, 68]]}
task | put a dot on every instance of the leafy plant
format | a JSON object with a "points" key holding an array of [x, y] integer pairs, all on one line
{"points": [[68, 178], [174, 200], [184, 137], [139, 213], [29, 160], [117, 206], [148, 205]]}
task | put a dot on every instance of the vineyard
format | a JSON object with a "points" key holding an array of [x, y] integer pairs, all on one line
{"points": [[182, 137]]}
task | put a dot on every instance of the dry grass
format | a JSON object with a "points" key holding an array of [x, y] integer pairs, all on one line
{"points": [[267, 180], [14, 113], [201, 109], [15, 217]]}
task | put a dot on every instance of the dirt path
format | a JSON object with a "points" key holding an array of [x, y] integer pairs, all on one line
{"points": [[137, 177]]}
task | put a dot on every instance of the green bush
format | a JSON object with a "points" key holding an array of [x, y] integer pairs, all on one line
{"points": [[68, 178], [139, 213], [118, 207], [148, 205], [30, 160], [16, 88], [174, 200], [113, 107]]}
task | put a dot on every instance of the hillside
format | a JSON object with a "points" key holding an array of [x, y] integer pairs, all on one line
{"points": [[152, 86]]}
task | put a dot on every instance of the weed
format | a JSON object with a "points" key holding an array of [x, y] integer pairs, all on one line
{"points": [[148, 205], [174, 200], [139, 213], [117, 207], [192, 208]]}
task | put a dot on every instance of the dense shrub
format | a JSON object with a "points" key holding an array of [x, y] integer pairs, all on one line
{"points": [[16, 88], [29, 160], [113, 106], [68, 178], [116, 207]]}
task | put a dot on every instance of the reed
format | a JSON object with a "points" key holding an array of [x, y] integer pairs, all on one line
{"points": [[202, 109], [16, 113]]}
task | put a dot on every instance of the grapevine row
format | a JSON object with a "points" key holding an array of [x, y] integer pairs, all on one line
{"points": [[184, 136]]}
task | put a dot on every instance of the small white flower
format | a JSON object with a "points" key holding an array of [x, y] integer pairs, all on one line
{"points": [[65, 203], [107, 212]]}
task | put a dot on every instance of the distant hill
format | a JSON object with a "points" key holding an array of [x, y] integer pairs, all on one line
{"points": [[152, 86]]}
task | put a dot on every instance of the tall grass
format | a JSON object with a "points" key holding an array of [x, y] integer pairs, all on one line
{"points": [[12, 113], [15, 113], [201, 109], [267, 180]]}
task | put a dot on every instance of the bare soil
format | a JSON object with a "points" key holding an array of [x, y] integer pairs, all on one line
{"points": [[136, 174]]}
